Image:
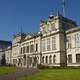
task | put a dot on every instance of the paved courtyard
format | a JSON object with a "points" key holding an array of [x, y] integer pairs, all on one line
{"points": [[18, 74]]}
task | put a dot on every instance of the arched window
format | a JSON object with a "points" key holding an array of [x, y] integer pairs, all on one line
{"points": [[46, 59], [70, 58], [34, 61], [54, 58], [50, 59], [43, 59], [37, 59]]}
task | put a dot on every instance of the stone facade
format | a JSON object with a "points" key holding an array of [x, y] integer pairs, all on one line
{"points": [[73, 47], [57, 44]]}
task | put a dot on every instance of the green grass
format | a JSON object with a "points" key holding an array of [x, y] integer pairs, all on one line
{"points": [[55, 74], [5, 70]]}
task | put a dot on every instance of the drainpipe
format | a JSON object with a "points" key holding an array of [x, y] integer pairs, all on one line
{"points": [[40, 49]]}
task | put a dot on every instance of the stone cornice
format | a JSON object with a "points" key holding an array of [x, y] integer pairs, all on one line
{"points": [[58, 32], [73, 30], [52, 52]]}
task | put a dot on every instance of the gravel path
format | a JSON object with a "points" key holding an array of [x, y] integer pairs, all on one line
{"points": [[18, 74]]}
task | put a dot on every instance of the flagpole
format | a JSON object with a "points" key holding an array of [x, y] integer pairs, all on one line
{"points": [[63, 7]]}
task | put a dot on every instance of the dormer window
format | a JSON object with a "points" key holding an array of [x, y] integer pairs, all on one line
{"points": [[44, 29], [48, 26], [47, 29], [53, 27]]}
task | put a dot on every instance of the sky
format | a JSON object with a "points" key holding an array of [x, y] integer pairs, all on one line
{"points": [[27, 14]]}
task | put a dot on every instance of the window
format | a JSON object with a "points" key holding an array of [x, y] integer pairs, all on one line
{"points": [[30, 60], [48, 44], [34, 61], [43, 45], [77, 58], [44, 29], [53, 43], [43, 59], [14, 61], [53, 27], [32, 48], [70, 58], [36, 47], [27, 50], [24, 59], [50, 59], [46, 59], [54, 59], [77, 40], [23, 49], [47, 28], [69, 42]]}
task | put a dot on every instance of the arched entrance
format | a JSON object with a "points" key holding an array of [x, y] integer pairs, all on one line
{"points": [[35, 61]]}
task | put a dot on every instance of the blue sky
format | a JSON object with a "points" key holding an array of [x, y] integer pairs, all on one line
{"points": [[28, 13]]}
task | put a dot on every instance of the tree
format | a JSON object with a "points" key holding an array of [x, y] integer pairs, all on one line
{"points": [[3, 60]]}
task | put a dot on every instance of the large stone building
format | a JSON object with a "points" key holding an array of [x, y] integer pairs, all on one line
{"points": [[56, 44]]}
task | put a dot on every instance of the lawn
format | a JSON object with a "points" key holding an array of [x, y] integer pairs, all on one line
{"points": [[5, 70], [55, 74]]}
